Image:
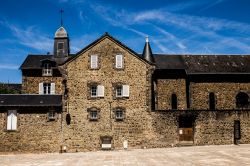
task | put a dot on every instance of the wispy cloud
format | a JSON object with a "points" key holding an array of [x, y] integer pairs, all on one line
{"points": [[197, 33], [77, 43], [9, 66], [30, 37], [210, 5]]}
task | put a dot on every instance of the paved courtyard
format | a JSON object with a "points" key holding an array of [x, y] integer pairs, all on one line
{"points": [[195, 155]]}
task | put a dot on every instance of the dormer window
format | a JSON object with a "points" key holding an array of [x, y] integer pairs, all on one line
{"points": [[47, 70]]}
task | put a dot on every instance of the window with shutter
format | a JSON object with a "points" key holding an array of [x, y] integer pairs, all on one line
{"points": [[119, 61], [125, 90], [94, 61], [12, 120]]}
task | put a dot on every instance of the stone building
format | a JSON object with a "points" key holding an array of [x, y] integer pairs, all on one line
{"points": [[107, 96]]}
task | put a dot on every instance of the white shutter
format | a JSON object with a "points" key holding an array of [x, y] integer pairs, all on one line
{"points": [[94, 61], [12, 120], [9, 120], [125, 90], [119, 61], [40, 88], [52, 90], [100, 91]]}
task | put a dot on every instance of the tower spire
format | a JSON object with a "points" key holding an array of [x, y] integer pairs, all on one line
{"points": [[147, 52], [61, 11]]}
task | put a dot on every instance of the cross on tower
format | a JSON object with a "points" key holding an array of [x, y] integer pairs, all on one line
{"points": [[61, 11]]}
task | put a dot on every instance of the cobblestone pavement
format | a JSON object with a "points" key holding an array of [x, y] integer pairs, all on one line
{"points": [[195, 155]]}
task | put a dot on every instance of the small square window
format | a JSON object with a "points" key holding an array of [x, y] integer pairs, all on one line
{"points": [[93, 91], [51, 115], [119, 91], [119, 114], [93, 115]]}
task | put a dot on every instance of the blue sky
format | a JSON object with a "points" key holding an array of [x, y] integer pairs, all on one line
{"points": [[173, 27]]}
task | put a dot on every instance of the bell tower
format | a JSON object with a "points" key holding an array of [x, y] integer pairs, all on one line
{"points": [[61, 44]]}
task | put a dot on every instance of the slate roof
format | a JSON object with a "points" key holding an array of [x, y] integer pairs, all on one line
{"points": [[30, 100], [34, 61], [206, 64]]}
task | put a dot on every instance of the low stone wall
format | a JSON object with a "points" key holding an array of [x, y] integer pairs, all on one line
{"points": [[140, 128], [34, 132]]}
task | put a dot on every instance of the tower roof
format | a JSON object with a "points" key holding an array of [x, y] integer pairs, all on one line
{"points": [[147, 52], [61, 33]]}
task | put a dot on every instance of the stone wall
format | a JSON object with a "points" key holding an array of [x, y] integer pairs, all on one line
{"points": [[30, 85], [165, 89], [217, 127], [210, 127], [225, 94], [35, 133], [83, 134]]}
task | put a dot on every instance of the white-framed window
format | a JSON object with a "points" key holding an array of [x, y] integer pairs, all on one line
{"points": [[93, 91], [93, 113], [119, 114], [122, 91], [51, 115], [119, 61], [46, 88], [97, 91], [12, 120], [119, 91], [47, 70], [94, 61]]}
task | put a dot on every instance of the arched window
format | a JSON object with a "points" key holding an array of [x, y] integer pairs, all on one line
{"points": [[174, 101], [242, 100], [211, 101]]}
